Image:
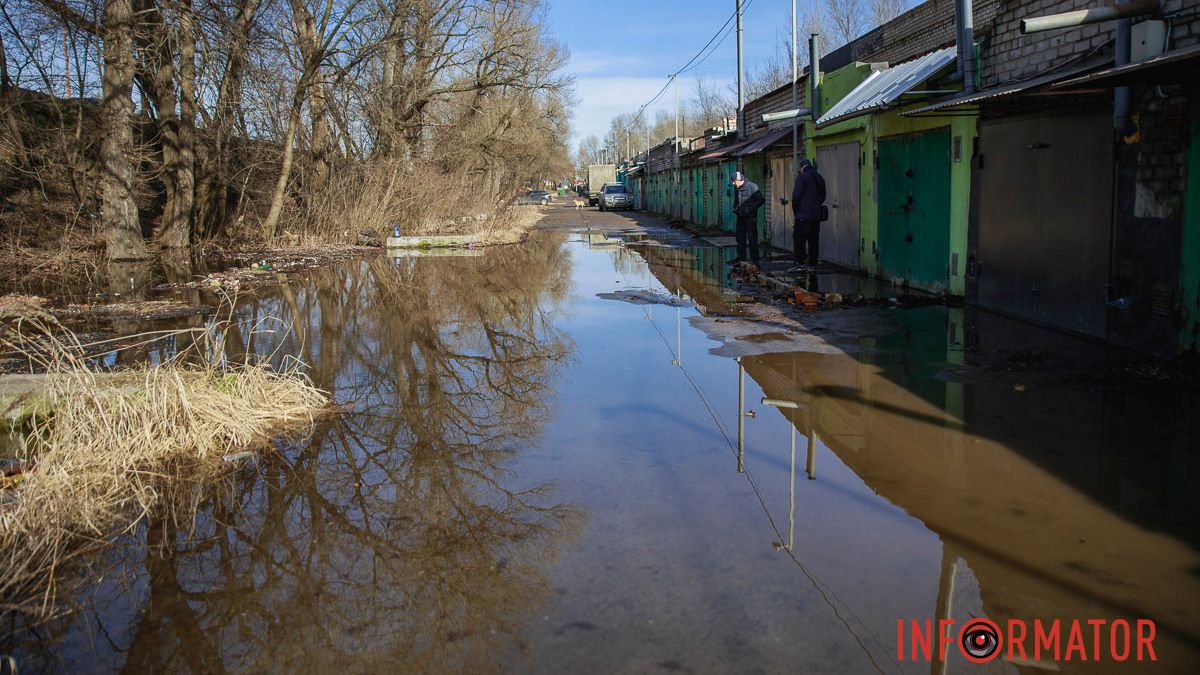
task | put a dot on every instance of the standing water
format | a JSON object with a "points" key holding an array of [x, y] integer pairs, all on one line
{"points": [[533, 475]]}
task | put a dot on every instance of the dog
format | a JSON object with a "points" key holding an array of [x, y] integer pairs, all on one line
{"points": [[579, 204]]}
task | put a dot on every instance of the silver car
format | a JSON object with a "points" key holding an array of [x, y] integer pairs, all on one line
{"points": [[615, 196]]}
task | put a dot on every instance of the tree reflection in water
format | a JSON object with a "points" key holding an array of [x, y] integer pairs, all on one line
{"points": [[397, 537]]}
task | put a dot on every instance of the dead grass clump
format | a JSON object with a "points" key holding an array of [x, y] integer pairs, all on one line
{"points": [[113, 447], [510, 226]]}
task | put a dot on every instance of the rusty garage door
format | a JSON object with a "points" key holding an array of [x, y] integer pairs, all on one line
{"points": [[1045, 219]]}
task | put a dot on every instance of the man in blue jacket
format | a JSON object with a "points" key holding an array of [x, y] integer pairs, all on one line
{"points": [[808, 197], [747, 200]]}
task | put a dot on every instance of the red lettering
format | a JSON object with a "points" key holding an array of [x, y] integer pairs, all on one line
{"points": [[1145, 638], [1041, 639], [1096, 624], [945, 639], [900, 639], [1075, 642], [922, 640], [1117, 653], [1015, 642]]}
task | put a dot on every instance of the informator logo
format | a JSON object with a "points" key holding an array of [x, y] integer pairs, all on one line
{"points": [[983, 640]]}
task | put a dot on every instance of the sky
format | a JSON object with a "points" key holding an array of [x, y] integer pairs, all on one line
{"points": [[624, 51]]}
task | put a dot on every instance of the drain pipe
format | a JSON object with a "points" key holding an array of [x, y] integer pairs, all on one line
{"points": [[1121, 96], [964, 17], [814, 75]]}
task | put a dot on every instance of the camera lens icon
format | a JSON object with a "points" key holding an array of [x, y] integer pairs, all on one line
{"points": [[980, 640]]}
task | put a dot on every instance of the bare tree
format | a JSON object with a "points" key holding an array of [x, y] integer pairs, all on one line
{"points": [[883, 11], [847, 18]]}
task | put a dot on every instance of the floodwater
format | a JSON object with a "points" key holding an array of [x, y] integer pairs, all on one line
{"points": [[529, 477]]}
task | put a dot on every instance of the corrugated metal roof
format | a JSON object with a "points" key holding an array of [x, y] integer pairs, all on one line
{"points": [[883, 87], [1004, 90], [1174, 67], [764, 142], [723, 152]]}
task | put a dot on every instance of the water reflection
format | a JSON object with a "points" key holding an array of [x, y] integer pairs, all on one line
{"points": [[395, 538], [1053, 518]]}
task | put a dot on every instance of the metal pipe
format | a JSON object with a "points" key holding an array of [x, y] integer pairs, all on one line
{"points": [[966, 45], [784, 115], [1121, 106], [1085, 16], [741, 95], [675, 79], [795, 101], [777, 403], [814, 75]]}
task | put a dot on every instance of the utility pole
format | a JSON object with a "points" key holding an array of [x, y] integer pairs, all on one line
{"points": [[741, 94], [675, 79], [795, 100]]}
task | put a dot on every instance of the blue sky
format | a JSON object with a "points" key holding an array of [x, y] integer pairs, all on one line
{"points": [[623, 51]]}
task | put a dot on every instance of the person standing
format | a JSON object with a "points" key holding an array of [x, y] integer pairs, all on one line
{"points": [[747, 200], [808, 210]]}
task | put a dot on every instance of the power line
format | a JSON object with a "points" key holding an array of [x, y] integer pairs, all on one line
{"points": [[722, 33]]}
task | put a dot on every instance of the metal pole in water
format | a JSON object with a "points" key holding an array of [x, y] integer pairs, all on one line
{"points": [[741, 417], [792, 492], [812, 446]]}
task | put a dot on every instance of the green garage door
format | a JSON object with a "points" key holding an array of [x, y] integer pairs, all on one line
{"points": [[914, 209]]}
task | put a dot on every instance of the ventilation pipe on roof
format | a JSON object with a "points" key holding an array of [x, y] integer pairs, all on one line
{"points": [[964, 20]]}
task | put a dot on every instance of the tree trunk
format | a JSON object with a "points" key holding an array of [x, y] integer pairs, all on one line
{"points": [[318, 107], [177, 219], [271, 224], [118, 207], [156, 45]]}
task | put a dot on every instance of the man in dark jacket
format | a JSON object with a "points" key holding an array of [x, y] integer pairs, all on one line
{"points": [[747, 200], [808, 196]]}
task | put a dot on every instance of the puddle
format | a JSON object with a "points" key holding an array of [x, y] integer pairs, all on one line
{"points": [[531, 477]]}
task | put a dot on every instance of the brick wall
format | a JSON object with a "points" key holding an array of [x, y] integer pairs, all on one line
{"points": [[1013, 56], [923, 29]]}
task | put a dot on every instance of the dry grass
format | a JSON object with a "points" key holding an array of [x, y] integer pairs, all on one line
{"points": [[374, 196], [510, 226], [115, 448]]}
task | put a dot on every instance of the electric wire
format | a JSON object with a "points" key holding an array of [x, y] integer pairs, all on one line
{"points": [[824, 590], [722, 33]]}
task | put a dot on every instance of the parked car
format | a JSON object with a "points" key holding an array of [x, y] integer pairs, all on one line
{"points": [[539, 197], [615, 196]]}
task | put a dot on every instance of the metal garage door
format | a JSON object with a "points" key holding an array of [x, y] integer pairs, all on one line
{"points": [[840, 239], [914, 208], [781, 214], [1045, 219]]}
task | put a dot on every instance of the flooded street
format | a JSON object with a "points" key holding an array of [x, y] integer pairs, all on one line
{"points": [[536, 473]]}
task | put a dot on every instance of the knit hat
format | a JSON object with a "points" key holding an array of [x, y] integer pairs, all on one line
{"points": [[737, 175], [805, 162]]}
